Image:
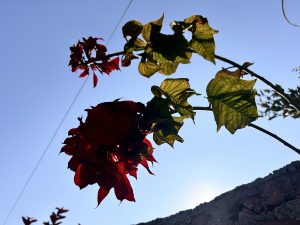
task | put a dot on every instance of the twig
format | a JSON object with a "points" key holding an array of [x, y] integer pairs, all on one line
{"points": [[114, 54], [297, 150], [203, 108], [290, 101], [275, 136]]}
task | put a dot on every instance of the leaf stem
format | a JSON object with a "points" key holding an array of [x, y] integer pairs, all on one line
{"points": [[290, 101], [297, 150]]}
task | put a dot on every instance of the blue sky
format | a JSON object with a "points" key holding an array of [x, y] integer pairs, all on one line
{"points": [[37, 86]]}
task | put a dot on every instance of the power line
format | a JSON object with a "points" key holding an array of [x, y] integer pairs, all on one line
{"points": [[59, 126], [285, 16], [120, 20]]}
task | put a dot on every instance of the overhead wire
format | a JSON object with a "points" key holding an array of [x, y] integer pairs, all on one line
{"points": [[285, 16], [59, 125]]}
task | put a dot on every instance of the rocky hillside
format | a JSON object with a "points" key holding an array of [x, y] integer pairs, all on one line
{"points": [[272, 200]]}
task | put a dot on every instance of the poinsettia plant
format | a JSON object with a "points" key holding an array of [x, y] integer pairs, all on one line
{"points": [[112, 142]]}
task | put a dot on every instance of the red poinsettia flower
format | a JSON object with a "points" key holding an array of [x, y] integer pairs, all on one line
{"points": [[108, 146], [88, 55]]}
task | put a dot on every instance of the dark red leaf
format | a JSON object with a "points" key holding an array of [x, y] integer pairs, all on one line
{"points": [[95, 80], [133, 172], [145, 164], [84, 73], [115, 63], [85, 175], [73, 164], [123, 189], [102, 193]]}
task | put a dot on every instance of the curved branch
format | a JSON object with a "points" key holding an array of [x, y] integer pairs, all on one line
{"points": [[297, 150], [290, 101]]}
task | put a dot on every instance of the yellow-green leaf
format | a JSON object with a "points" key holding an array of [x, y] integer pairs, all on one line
{"points": [[177, 92], [132, 28], [232, 101], [205, 48], [147, 69], [168, 68], [202, 40], [164, 126], [151, 28]]}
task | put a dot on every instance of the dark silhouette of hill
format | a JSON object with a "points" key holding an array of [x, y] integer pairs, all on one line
{"points": [[272, 200]]}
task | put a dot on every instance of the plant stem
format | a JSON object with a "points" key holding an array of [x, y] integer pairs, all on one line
{"points": [[203, 108], [297, 150], [114, 54], [290, 101], [275, 136]]}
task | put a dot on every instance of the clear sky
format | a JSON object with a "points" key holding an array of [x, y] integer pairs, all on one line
{"points": [[37, 86]]}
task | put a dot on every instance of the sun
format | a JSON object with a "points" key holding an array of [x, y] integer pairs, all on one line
{"points": [[201, 193]]}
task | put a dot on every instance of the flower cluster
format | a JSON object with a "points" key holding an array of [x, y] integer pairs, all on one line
{"points": [[108, 146], [88, 55]]}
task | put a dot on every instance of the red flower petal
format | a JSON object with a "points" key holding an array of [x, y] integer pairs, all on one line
{"points": [[123, 189], [145, 164], [102, 193], [114, 64], [133, 172], [85, 175], [95, 80], [84, 73], [73, 164]]}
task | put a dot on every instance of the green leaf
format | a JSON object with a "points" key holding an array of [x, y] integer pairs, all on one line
{"points": [[170, 48], [202, 40], [165, 127], [134, 44], [177, 92], [168, 68], [139, 44], [159, 111], [132, 28], [152, 28], [147, 69], [205, 48], [233, 102], [165, 133]]}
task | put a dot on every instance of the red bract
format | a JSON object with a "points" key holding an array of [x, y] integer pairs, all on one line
{"points": [[108, 146], [88, 55]]}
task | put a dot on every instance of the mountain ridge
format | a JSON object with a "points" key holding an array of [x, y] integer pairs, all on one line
{"points": [[272, 200]]}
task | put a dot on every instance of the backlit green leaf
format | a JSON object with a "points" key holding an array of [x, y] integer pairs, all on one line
{"points": [[202, 40], [205, 48], [168, 68], [147, 69], [134, 44], [177, 92], [132, 28], [165, 133], [164, 126], [152, 28], [233, 102]]}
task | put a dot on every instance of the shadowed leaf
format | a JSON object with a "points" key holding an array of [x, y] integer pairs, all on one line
{"points": [[177, 92], [132, 28], [151, 28]]}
